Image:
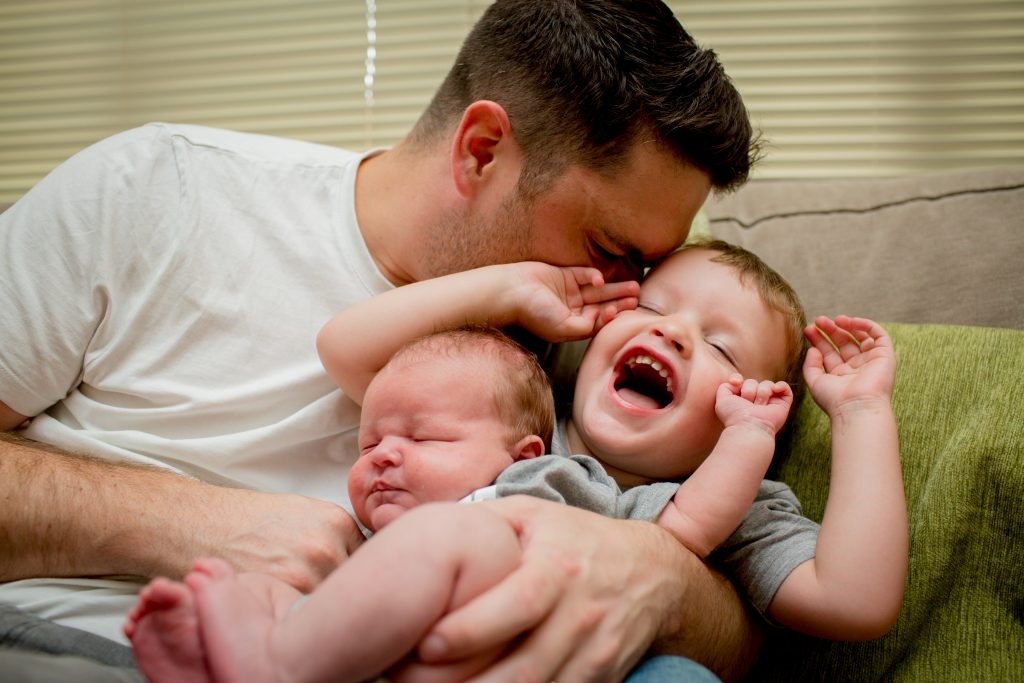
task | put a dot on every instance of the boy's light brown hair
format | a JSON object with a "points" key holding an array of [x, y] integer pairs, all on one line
{"points": [[775, 291], [522, 393]]}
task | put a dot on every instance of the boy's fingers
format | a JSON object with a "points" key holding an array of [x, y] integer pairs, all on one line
{"points": [[612, 291]]}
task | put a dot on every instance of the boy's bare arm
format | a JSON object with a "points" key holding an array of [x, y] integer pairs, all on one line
{"points": [[853, 588], [558, 304], [65, 515], [713, 500]]}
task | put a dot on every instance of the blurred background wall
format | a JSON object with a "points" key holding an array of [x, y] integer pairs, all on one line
{"points": [[840, 87]]}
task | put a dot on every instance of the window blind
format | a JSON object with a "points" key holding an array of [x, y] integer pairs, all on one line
{"points": [[873, 87], [840, 87]]}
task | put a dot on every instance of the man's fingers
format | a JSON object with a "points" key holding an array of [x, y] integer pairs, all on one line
{"points": [[497, 616], [556, 651]]}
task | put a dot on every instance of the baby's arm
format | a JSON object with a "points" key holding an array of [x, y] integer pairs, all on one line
{"points": [[853, 588], [713, 500], [556, 303]]}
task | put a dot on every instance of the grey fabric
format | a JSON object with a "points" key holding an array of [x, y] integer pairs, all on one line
{"points": [[580, 481], [771, 541], [20, 666], [24, 631], [940, 248], [35, 650]]}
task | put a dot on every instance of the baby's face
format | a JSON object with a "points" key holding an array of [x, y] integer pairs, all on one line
{"points": [[429, 432], [645, 393]]}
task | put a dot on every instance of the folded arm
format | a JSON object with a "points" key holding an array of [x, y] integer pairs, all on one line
{"points": [[69, 515]]}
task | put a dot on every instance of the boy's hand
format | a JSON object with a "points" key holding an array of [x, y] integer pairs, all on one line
{"points": [[859, 369], [764, 404], [567, 303]]}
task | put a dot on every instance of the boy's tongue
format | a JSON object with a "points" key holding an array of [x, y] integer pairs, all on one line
{"points": [[636, 398]]}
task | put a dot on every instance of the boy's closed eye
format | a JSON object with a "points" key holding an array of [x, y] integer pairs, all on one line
{"points": [[719, 348]]}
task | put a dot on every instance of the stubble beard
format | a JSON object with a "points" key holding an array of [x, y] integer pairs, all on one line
{"points": [[463, 242]]}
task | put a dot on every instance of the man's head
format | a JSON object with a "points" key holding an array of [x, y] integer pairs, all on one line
{"points": [[580, 133], [444, 417], [645, 394], [583, 80]]}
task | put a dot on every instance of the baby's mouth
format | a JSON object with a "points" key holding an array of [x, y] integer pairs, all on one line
{"points": [[643, 381]]}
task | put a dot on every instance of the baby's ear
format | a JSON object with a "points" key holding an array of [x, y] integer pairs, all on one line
{"points": [[528, 447]]}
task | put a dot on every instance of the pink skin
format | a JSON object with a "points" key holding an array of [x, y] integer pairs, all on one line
{"points": [[164, 632], [430, 432], [701, 325]]}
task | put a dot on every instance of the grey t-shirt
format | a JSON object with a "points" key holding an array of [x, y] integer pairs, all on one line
{"points": [[771, 541]]}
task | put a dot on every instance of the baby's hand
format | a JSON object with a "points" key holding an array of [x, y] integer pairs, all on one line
{"points": [[859, 370], [763, 404], [568, 303]]}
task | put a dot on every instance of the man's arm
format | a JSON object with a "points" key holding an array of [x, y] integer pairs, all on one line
{"points": [[592, 595], [68, 515]]}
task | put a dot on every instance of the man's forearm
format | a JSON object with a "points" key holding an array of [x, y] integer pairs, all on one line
{"points": [[67, 515], [709, 624]]}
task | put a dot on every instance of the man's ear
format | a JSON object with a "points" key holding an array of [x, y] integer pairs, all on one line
{"points": [[483, 138], [528, 447]]}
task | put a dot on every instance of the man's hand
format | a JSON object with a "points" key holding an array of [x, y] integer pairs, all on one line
{"points": [[295, 539], [590, 597], [857, 368]]}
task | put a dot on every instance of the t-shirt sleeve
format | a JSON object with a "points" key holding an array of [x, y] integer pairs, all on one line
{"points": [[771, 541], [576, 480], [580, 481], [63, 246]]}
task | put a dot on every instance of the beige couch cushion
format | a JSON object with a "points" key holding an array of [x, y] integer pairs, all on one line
{"points": [[939, 248]]}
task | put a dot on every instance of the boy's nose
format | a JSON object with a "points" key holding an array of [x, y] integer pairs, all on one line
{"points": [[675, 333]]}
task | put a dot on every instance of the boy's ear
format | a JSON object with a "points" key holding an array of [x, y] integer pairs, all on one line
{"points": [[483, 139], [528, 447]]}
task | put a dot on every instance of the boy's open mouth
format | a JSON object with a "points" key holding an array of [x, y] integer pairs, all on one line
{"points": [[645, 382]]}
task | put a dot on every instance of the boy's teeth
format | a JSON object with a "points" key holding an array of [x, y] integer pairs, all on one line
{"points": [[647, 360]]}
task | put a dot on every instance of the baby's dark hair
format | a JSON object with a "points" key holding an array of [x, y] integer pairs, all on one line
{"points": [[522, 392], [775, 291]]}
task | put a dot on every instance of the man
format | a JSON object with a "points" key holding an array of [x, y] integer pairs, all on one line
{"points": [[160, 293]]}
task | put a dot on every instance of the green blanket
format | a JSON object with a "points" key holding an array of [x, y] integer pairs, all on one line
{"points": [[959, 404]]}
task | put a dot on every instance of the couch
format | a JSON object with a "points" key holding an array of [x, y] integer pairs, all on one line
{"points": [[939, 260]]}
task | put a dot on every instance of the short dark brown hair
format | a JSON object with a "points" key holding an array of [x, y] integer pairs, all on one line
{"points": [[583, 80], [522, 392]]}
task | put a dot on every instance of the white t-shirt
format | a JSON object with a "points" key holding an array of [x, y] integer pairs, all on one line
{"points": [[160, 296]]}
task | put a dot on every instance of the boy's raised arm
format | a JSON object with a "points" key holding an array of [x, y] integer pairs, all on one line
{"points": [[556, 303], [713, 500], [853, 588]]}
